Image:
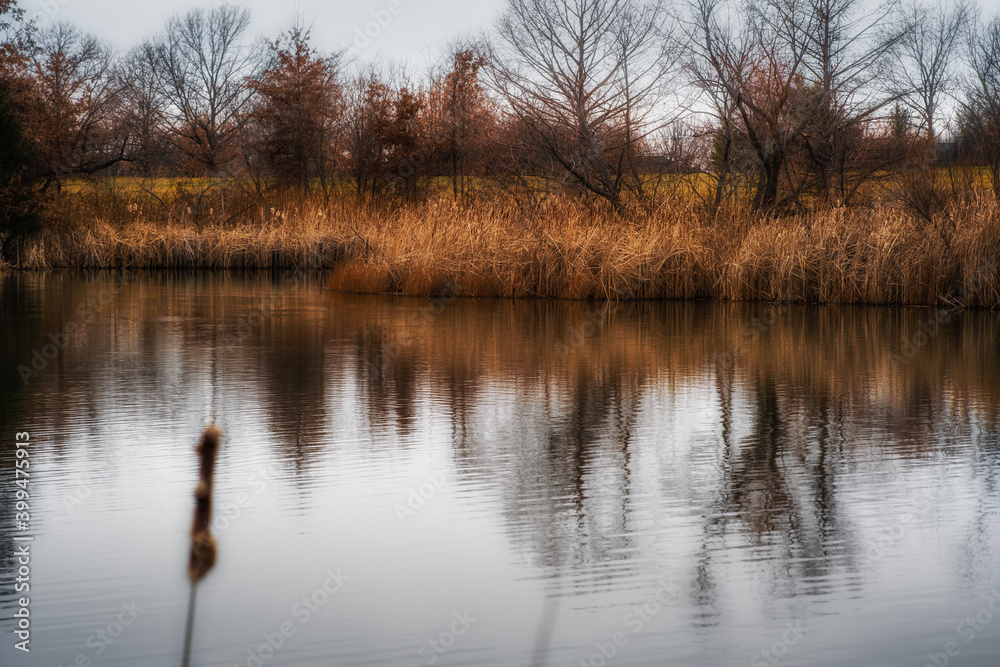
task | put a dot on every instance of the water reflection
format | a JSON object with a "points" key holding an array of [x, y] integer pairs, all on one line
{"points": [[756, 453]]}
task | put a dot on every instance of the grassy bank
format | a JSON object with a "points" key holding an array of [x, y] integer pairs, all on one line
{"points": [[563, 249]]}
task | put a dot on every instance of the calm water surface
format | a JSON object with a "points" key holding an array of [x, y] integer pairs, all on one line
{"points": [[499, 483]]}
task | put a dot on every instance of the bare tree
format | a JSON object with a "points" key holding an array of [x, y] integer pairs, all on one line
{"points": [[584, 77], [843, 44], [202, 64], [927, 54], [846, 48], [707, 42], [77, 95], [980, 115], [797, 81], [754, 81], [142, 111]]}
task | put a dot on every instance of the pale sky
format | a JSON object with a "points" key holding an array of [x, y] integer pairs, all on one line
{"points": [[417, 32]]}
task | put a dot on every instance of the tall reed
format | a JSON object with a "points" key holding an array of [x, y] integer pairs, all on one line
{"points": [[561, 249]]}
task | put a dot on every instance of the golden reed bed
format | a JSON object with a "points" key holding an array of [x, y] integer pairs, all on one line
{"points": [[568, 250]]}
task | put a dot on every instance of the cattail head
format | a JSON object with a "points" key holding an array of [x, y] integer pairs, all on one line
{"points": [[202, 555], [202, 508], [207, 450], [202, 543]]}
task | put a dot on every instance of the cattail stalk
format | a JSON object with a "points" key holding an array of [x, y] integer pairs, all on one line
{"points": [[202, 543], [203, 549]]}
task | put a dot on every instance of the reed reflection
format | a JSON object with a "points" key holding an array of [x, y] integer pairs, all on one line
{"points": [[612, 452]]}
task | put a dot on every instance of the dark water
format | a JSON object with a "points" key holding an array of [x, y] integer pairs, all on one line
{"points": [[498, 483]]}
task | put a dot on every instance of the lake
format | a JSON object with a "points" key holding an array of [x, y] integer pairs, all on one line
{"points": [[451, 481]]}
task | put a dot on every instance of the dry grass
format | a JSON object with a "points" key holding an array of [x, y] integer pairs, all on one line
{"points": [[563, 250], [864, 256], [145, 245]]}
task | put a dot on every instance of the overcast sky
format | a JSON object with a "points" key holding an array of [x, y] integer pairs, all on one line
{"points": [[417, 32]]}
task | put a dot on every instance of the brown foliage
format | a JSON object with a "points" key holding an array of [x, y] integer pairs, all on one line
{"points": [[386, 148], [461, 121], [299, 102], [73, 102]]}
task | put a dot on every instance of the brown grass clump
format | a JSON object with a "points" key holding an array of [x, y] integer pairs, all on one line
{"points": [[563, 249], [145, 245], [880, 256]]}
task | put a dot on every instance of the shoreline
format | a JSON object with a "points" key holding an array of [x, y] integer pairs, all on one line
{"points": [[325, 273], [874, 256]]}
